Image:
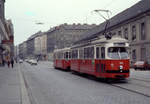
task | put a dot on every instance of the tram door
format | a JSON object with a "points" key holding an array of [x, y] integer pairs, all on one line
{"points": [[100, 59]]}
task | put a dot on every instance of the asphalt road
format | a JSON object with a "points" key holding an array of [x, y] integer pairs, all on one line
{"points": [[46, 85]]}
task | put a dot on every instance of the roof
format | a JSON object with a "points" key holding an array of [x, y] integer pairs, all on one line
{"points": [[77, 26], [34, 35], [135, 10], [71, 27]]}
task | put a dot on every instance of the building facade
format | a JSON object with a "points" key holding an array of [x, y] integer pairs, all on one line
{"points": [[40, 44], [6, 35], [64, 35], [30, 48], [2, 10]]}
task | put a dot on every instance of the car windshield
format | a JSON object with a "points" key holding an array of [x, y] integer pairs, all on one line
{"points": [[117, 53]]}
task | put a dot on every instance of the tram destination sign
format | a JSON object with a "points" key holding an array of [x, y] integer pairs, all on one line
{"points": [[119, 44]]}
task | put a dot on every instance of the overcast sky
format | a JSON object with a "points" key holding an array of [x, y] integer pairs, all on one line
{"points": [[26, 13]]}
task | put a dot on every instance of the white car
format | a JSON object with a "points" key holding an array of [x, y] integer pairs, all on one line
{"points": [[33, 62], [20, 61]]}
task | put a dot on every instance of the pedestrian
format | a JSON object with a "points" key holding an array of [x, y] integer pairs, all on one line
{"points": [[8, 63], [8, 60], [0, 62], [12, 62], [3, 62]]}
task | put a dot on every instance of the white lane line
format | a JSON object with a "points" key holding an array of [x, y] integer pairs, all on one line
{"points": [[24, 93]]}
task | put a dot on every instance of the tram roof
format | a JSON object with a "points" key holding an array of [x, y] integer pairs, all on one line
{"points": [[101, 41], [112, 40], [137, 9], [63, 49]]}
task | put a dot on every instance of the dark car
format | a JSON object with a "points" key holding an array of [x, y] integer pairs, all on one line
{"points": [[143, 65]]}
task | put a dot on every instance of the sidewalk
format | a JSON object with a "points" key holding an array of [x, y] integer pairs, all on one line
{"points": [[10, 90]]}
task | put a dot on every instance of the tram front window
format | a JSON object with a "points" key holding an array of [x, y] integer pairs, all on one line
{"points": [[117, 53]]}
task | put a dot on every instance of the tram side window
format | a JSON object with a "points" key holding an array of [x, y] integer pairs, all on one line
{"points": [[89, 52], [58, 54], [97, 53], [69, 55], [66, 55], [102, 52], [85, 53], [61, 55], [81, 53], [75, 54]]}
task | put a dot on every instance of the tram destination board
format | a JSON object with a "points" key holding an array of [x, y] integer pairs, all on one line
{"points": [[119, 44]]}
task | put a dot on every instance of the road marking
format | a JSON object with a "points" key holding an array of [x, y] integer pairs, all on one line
{"points": [[24, 93]]}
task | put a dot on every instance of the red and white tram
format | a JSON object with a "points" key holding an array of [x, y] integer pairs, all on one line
{"points": [[102, 58], [62, 58]]}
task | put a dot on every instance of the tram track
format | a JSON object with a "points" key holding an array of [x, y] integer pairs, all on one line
{"points": [[134, 86], [130, 90], [140, 82], [128, 85]]}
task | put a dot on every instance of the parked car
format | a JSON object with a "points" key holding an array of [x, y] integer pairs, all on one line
{"points": [[143, 65], [26, 60], [20, 61], [33, 62]]}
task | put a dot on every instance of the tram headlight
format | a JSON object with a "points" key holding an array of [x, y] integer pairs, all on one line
{"points": [[121, 67]]}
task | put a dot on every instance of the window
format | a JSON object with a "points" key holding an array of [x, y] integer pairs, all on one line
{"points": [[1, 10], [69, 55], [97, 53], [114, 33], [126, 33], [66, 55], [134, 54], [117, 53], [133, 32], [143, 32], [81, 53], [89, 52], [102, 52], [0, 38], [75, 54], [143, 54], [119, 33]]}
